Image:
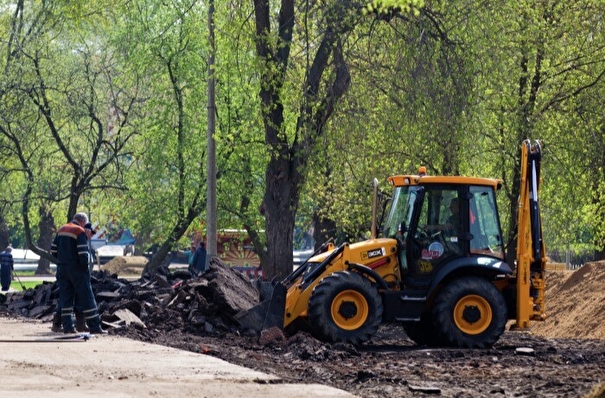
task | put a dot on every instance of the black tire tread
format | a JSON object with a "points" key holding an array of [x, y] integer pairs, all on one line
{"points": [[320, 320], [444, 307]]}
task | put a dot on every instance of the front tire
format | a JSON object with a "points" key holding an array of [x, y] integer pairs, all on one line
{"points": [[345, 307], [470, 312]]}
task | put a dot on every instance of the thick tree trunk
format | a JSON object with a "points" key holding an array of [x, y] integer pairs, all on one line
{"points": [[279, 205], [4, 236], [285, 172], [47, 230], [279, 259]]}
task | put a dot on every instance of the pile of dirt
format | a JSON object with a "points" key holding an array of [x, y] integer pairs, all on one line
{"points": [[125, 265], [574, 303]]}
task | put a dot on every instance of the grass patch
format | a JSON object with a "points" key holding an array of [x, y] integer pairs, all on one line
{"points": [[24, 285]]}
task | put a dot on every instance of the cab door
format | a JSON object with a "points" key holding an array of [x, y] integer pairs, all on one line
{"points": [[438, 229], [486, 235]]}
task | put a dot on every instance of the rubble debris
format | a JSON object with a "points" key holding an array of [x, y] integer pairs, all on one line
{"points": [[425, 389], [127, 317], [204, 305]]}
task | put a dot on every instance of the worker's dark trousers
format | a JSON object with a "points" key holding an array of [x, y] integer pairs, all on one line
{"points": [[5, 275], [77, 308], [74, 285]]}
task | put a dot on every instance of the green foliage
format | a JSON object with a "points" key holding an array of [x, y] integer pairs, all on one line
{"points": [[387, 8], [454, 86], [457, 92]]}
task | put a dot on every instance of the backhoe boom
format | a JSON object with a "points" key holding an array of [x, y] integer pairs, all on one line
{"points": [[531, 258]]}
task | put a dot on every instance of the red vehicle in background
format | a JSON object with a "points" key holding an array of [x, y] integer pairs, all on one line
{"points": [[235, 248]]}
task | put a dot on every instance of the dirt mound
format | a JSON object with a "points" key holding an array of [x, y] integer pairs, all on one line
{"points": [[574, 303], [125, 265]]}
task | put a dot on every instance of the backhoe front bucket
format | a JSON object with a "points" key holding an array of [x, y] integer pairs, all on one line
{"points": [[269, 312]]}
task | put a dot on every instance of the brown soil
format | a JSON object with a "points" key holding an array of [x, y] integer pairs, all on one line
{"points": [[562, 357], [574, 303], [125, 265]]}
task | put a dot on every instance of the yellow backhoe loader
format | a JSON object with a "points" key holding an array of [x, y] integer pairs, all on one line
{"points": [[439, 268]]}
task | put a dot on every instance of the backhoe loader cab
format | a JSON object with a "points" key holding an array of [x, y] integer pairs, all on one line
{"points": [[438, 268], [439, 219]]}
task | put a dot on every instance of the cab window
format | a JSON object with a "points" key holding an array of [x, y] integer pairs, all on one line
{"points": [[484, 223], [439, 228]]}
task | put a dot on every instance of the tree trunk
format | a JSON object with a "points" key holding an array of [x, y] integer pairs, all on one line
{"points": [[529, 84], [4, 236], [324, 229], [46, 226], [160, 257], [279, 205], [181, 226]]}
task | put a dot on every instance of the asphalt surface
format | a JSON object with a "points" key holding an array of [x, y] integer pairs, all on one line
{"points": [[37, 362]]}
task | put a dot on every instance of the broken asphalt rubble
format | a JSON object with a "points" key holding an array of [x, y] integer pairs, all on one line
{"points": [[164, 300]]}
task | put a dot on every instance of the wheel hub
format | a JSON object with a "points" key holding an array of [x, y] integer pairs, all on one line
{"points": [[347, 309], [471, 314]]}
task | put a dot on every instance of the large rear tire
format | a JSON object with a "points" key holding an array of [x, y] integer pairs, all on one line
{"points": [[470, 312], [345, 307]]}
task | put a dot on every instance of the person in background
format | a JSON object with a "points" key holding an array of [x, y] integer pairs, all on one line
{"points": [[198, 263], [70, 247], [6, 268], [190, 255]]}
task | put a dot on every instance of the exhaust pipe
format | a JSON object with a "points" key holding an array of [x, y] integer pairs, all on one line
{"points": [[374, 208]]}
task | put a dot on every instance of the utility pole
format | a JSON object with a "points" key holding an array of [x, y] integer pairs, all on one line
{"points": [[211, 248]]}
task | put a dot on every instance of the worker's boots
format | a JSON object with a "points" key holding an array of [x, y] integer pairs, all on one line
{"points": [[56, 327], [94, 325], [81, 323]]}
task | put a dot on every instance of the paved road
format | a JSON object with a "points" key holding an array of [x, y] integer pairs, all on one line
{"points": [[35, 364]]}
